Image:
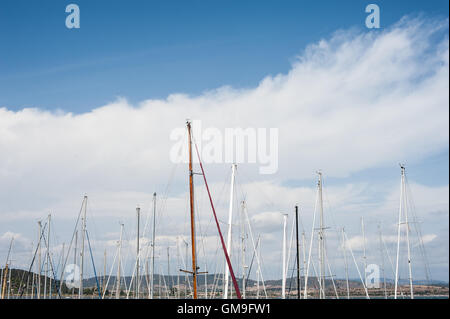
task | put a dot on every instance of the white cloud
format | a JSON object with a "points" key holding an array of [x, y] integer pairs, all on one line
{"points": [[353, 102]]}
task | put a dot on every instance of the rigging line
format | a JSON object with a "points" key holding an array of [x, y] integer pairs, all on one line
{"points": [[236, 287], [356, 264], [71, 241], [251, 264], [93, 265], [92, 220], [311, 246], [331, 274], [184, 262], [164, 281], [290, 249], [165, 195], [290, 280], [331, 214], [216, 276], [199, 224], [258, 255], [32, 262], [53, 271], [390, 261], [418, 231], [162, 207], [110, 273]]}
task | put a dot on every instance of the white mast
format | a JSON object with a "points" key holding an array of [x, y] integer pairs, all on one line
{"points": [[403, 210], [178, 265], [153, 247], [382, 260], [243, 248], [304, 253], [206, 280], [321, 240], [138, 213], [47, 257], [168, 271], [104, 272], [283, 283], [364, 250], [257, 272], [119, 264], [33, 278], [230, 219], [83, 235], [75, 257], [345, 262], [407, 232], [39, 262]]}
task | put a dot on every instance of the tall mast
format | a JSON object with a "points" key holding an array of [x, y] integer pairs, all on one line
{"points": [[298, 252], [138, 213], [230, 219], [47, 258], [364, 250], [258, 271], [304, 254], [168, 270], [119, 264], [407, 232], [5, 274], [344, 247], [283, 282], [83, 235], [104, 273], [191, 197], [403, 210], [321, 240], [243, 248], [39, 261], [178, 264], [153, 246], [75, 257], [34, 275], [398, 235], [382, 260]]}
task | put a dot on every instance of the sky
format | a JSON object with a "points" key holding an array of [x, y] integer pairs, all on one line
{"points": [[91, 111]]}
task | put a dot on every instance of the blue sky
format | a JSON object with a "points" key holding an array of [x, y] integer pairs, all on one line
{"points": [[148, 50]]}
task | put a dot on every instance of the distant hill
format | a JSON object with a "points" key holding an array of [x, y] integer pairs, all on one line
{"points": [[170, 284]]}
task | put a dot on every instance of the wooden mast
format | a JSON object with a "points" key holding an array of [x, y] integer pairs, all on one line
{"points": [[191, 193]]}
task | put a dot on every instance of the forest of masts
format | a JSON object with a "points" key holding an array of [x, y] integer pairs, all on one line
{"points": [[305, 268]]}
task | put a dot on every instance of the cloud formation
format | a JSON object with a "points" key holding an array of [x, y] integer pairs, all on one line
{"points": [[356, 101]]}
